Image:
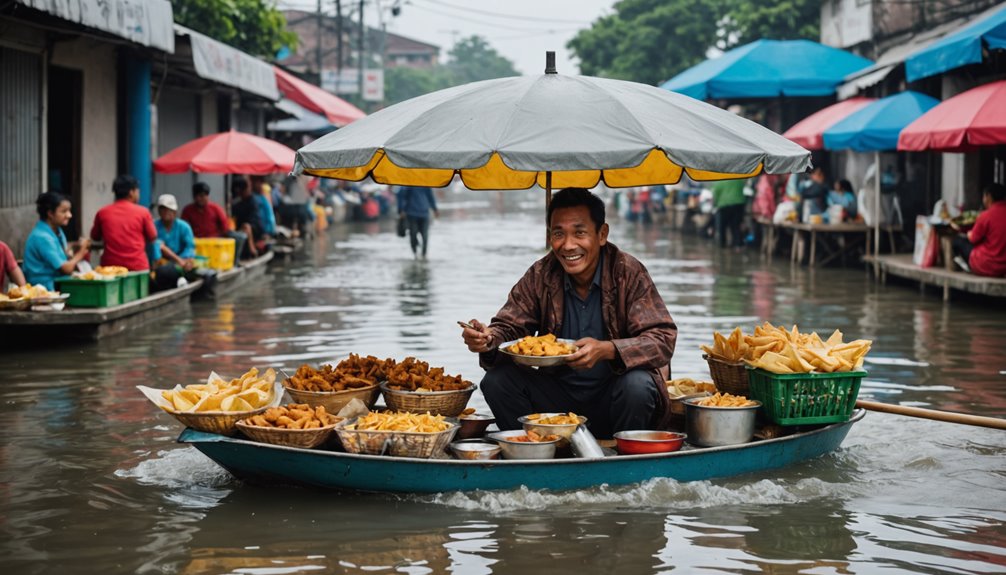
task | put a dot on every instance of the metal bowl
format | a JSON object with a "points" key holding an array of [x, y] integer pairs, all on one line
{"points": [[475, 449], [564, 430], [713, 426], [646, 441], [523, 450], [474, 425], [536, 360]]}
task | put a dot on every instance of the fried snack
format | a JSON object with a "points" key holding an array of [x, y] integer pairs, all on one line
{"points": [[293, 416], [533, 437], [541, 346], [246, 393], [778, 350], [28, 291], [725, 400], [413, 375], [688, 386], [561, 419], [729, 349], [111, 271], [354, 372], [467, 411], [400, 421]]}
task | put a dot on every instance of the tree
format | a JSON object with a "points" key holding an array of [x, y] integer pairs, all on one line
{"points": [[653, 40], [254, 26]]}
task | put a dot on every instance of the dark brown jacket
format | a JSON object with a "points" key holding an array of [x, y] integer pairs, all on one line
{"points": [[635, 317]]}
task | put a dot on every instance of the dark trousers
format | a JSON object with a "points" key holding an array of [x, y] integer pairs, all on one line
{"points": [[626, 401], [240, 239], [729, 218], [962, 247], [418, 227]]}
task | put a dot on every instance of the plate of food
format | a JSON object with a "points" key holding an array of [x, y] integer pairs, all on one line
{"points": [[539, 351]]}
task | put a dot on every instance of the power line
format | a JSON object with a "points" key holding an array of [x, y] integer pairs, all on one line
{"points": [[476, 21], [510, 16]]}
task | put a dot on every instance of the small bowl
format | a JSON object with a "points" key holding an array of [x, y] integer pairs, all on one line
{"points": [[521, 449], [645, 441], [475, 449], [474, 425], [564, 430]]}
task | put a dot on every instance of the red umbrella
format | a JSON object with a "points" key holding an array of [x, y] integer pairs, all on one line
{"points": [[228, 153], [338, 111], [960, 124], [809, 132]]}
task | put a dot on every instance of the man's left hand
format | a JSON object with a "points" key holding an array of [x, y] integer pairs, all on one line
{"points": [[590, 352]]}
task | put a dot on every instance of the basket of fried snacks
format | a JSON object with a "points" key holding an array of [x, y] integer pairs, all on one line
{"points": [[726, 362], [399, 434], [217, 405], [415, 387], [293, 425], [333, 387]]}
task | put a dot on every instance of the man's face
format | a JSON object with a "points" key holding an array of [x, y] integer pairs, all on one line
{"points": [[167, 214], [817, 176], [201, 200], [134, 195], [577, 241]]}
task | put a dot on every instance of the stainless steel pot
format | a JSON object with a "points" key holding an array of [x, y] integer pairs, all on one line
{"points": [[714, 426]]}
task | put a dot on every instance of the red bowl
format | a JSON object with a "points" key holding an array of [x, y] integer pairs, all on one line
{"points": [[646, 441]]}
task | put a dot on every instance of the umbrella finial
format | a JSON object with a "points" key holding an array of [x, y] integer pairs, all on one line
{"points": [[550, 62]]}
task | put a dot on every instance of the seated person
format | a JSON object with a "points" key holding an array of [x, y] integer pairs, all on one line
{"points": [[208, 219], [9, 268], [45, 251], [266, 215], [982, 251], [589, 291], [814, 196], [247, 216], [125, 227], [842, 195]]}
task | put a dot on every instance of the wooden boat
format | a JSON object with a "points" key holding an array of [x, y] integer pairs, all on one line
{"points": [[92, 323], [261, 462], [247, 270]]}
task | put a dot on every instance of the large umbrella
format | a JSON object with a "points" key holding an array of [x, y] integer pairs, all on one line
{"points": [[227, 153], [809, 132], [960, 124], [769, 69], [554, 130]]}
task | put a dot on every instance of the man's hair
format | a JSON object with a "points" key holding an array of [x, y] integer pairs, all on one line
{"points": [[48, 202], [123, 185], [573, 197], [199, 188], [845, 185], [239, 185], [997, 191]]}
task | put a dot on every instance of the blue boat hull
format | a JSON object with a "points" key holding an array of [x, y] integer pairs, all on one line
{"points": [[344, 471]]}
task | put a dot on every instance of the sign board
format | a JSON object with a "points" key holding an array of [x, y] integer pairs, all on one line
{"points": [[219, 62], [344, 81], [373, 85], [146, 22]]}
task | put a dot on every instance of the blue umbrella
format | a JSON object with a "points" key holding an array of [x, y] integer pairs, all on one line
{"points": [[875, 127], [769, 69]]}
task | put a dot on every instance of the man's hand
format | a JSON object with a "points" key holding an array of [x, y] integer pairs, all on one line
{"points": [[479, 339], [590, 352], [188, 264]]}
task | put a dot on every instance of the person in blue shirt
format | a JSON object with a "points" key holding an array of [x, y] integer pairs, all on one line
{"points": [[45, 251], [265, 210], [175, 239], [415, 203], [842, 195]]}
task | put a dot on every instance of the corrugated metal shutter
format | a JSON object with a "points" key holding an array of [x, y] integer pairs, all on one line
{"points": [[20, 128]]}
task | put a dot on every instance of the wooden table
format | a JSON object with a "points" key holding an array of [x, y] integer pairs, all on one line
{"points": [[802, 230]]}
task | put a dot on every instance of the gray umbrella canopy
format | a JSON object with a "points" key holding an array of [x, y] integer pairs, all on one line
{"points": [[510, 132]]}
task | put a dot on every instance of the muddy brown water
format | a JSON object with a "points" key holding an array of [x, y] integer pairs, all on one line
{"points": [[92, 481]]}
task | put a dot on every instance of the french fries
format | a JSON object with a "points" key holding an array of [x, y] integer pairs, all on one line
{"points": [[541, 346], [729, 349], [400, 421], [725, 400], [246, 393], [779, 350]]}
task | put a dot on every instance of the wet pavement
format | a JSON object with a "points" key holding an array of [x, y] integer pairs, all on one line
{"points": [[92, 481]]}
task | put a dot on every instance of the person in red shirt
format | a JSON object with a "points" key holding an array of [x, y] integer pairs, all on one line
{"points": [[984, 248], [125, 227], [9, 268], [208, 219]]}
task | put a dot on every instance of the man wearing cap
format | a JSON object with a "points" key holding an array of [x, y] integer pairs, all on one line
{"points": [[177, 243]]}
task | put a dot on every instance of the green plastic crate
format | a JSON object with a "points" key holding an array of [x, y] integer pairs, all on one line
{"points": [[90, 293], [806, 398], [135, 285]]}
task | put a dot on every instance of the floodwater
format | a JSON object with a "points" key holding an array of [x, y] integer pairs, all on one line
{"points": [[92, 481]]}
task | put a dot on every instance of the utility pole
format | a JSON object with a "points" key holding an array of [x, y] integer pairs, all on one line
{"points": [[317, 52], [338, 37], [361, 57]]}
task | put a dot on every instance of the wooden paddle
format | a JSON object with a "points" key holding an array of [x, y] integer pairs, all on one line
{"points": [[950, 416]]}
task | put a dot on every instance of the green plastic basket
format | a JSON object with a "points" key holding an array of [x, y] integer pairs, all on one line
{"points": [[806, 398], [135, 285], [91, 293]]}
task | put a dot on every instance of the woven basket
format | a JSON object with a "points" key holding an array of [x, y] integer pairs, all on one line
{"points": [[446, 403], [222, 422], [396, 443], [306, 438], [333, 401], [729, 377]]}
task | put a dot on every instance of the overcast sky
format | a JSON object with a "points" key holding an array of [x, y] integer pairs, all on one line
{"points": [[520, 30]]}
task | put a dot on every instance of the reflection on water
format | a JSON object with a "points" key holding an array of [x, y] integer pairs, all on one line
{"points": [[92, 482]]}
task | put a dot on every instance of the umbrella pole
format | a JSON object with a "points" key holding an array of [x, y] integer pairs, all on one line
{"points": [[548, 202], [876, 216]]}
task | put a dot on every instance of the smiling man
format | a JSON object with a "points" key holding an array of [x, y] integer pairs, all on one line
{"points": [[589, 291]]}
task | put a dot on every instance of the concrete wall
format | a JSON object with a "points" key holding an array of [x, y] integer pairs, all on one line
{"points": [[99, 148]]}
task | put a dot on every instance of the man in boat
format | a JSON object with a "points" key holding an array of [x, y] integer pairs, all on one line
{"points": [[247, 216], [125, 227], [589, 291], [982, 251], [209, 220]]}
